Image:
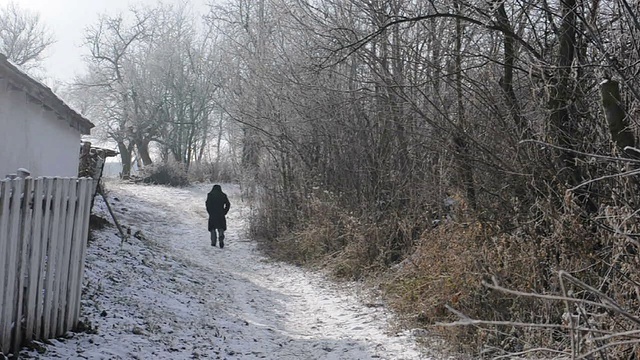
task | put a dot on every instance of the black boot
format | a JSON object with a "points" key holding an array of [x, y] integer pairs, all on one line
{"points": [[213, 238], [221, 237]]}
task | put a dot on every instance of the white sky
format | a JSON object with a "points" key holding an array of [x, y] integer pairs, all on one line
{"points": [[68, 19]]}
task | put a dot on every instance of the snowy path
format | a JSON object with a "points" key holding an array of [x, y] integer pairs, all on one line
{"points": [[169, 294]]}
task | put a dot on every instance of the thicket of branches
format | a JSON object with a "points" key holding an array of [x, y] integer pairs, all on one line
{"points": [[460, 139], [24, 38]]}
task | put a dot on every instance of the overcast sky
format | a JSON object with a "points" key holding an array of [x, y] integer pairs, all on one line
{"points": [[69, 18]]}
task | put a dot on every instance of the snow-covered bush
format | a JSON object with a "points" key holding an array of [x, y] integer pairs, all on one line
{"points": [[172, 174]]}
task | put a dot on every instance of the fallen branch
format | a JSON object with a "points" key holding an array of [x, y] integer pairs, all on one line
{"points": [[612, 338], [611, 304], [604, 177], [603, 157], [604, 347], [113, 216], [466, 321], [531, 351], [497, 287]]}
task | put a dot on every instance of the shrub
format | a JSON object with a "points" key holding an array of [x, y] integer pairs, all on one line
{"points": [[171, 174], [211, 172], [451, 262], [314, 229]]}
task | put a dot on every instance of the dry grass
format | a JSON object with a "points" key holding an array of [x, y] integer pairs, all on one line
{"points": [[428, 277]]}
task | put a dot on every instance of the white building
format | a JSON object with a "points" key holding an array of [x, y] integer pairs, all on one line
{"points": [[38, 131]]}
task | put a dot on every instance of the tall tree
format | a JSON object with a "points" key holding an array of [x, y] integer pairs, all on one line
{"points": [[111, 43]]}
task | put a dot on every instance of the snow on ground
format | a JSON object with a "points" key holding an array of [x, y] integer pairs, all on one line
{"points": [[167, 294]]}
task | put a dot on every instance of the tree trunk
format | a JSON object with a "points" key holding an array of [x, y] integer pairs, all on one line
{"points": [[250, 150], [219, 142], [560, 119], [616, 117], [402, 155], [250, 146], [143, 151], [459, 141], [506, 82], [563, 118], [125, 156]]}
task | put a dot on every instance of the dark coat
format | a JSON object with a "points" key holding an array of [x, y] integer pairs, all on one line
{"points": [[217, 206]]}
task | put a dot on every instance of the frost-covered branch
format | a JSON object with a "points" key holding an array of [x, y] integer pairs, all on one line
{"points": [[24, 38]]}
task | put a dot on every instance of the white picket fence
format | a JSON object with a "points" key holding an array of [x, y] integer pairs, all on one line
{"points": [[44, 224]]}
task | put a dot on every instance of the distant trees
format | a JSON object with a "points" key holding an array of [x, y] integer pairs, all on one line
{"points": [[243, 29], [23, 36], [153, 75]]}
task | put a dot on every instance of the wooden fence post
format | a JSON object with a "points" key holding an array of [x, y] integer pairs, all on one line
{"points": [[51, 257], [49, 187], [7, 312], [57, 268], [23, 248], [65, 254], [84, 228], [35, 262], [5, 201], [79, 240]]}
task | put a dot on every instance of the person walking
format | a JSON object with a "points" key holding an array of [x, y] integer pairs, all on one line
{"points": [[217, 206]]}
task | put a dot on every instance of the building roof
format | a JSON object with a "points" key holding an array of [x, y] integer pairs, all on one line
{"points": [[99, 149], [42, 95]]}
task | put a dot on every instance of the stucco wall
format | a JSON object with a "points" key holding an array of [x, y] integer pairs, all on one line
{"points": [[33, 138]]}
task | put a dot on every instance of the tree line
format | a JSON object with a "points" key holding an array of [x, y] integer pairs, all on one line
{"points": [[507, 128]]}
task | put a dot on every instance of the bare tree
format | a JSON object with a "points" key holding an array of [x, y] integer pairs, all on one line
{"points": [[157, 76], [245, 28], [24, 38], [111, 43]]}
